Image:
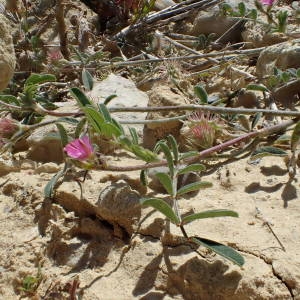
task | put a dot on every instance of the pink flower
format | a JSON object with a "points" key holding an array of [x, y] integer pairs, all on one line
{"points": [[8, 127], [267, 2], [80, 149]]}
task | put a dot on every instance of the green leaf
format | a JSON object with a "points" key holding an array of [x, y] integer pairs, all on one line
{"points": [[298, 73], [195, 186], [255, 120], [134, 135], [79, 127], [50, 186], [242, 8], [225, 251], [163, 146], [166, 181], [143, 177], [104, 111], [94, 117], [87, 79], [63, 134], [110, 130], [188, 154], [267, 151], [201, 93], [209, 214], [191, 168], [81, 98], [244, 122], [174, 147], [35, 79], [285, 76], [10, 99], [162, 207], [142, 153], [295, 139], [253, 14], [109, 98], [257, 87]]}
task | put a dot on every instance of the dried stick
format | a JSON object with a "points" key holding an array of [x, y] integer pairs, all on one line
{"points": [[62, 29], [206, 152]]}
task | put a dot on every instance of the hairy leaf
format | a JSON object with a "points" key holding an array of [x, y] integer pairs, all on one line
{"points": [[257, 87], [166, 181], [209, 214], [63, 134], [87, 79], [267, 151], [192, 168], [225, 251], [162, 207], [168, 156], [35, 79], [81, 98], [174, 147], [195, 186], [201, 93]]}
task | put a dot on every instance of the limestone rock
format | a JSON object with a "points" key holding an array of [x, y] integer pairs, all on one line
{"points": [[162, 96], [119, 205], [127, 95], [7, 53], [283, 56]]}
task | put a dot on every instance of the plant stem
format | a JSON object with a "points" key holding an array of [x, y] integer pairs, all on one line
{"points": [[206, 152]]}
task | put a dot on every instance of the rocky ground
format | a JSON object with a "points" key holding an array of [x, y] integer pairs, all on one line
{"points": [[93, 240]]}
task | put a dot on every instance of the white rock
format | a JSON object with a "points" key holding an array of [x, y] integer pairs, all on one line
{"points": [[7, 53], [128, 95]]}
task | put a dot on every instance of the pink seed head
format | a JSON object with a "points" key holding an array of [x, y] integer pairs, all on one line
{"points": [[8, 127], [267, 2], [202, 129], [80, 149]]}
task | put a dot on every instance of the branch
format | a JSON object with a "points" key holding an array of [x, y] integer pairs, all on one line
{"points": [[259, 133]]}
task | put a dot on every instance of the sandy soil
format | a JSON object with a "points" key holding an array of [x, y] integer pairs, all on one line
{"points": [[70, 245]]}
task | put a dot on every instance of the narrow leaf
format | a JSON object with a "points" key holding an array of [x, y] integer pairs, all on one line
{"points": [[168, 156], [188, 154], [257, 87], [143, 178], [174, 147], [244, 122], [209, 214], [80, 127], [134, 135], [81, 98], [87, 79], [166, 181], [225, 251], [267, 151], [201, 93], [162, 207], [34, 79], [105, 112], [50, 186], [191, 168], [109, 98], [255, 120], [94, 117], [195, 186], [295, 139], [63, 134]]}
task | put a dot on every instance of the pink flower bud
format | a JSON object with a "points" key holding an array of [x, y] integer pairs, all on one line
{"points": [[267, 2], [80, 149], [8, 127]]}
